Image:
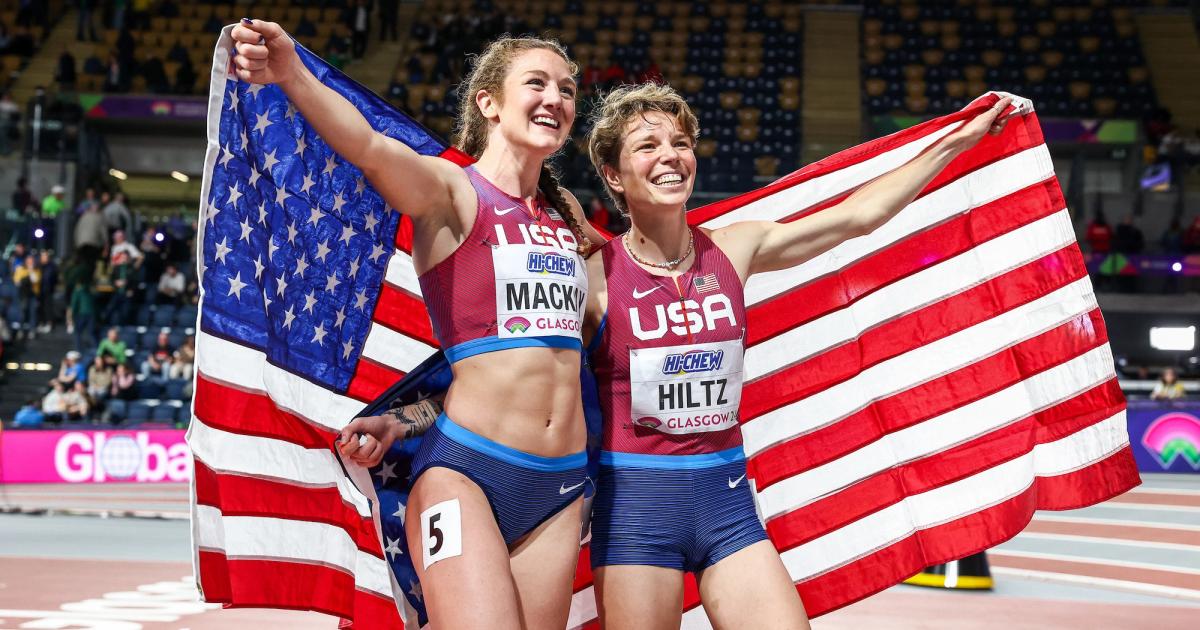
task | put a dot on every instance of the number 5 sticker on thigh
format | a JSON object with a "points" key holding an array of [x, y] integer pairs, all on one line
{"points": [[441, 531]]}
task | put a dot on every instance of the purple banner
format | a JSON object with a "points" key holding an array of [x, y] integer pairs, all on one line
{"points": [[1165, 436], [1143, 265], [144, 106]]}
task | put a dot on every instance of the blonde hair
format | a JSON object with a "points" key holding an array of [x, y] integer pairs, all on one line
{"points": [[613, 114], [488, 70]]}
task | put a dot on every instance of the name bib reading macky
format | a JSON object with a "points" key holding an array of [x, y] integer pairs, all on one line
{"points": [[539, 291], [686, 389]]}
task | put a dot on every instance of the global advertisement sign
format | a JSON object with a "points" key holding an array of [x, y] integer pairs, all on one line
{"points": [[94, 456], [1165, 437]]}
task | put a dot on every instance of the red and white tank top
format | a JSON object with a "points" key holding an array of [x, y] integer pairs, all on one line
{"points": [[515, 281], [668, 355]]}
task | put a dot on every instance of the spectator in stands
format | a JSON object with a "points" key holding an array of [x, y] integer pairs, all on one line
{"points": [[598, 213], [116, 213], [1099, 234], [77, 403], [156, 75], [124, 260], [81, 306], [64, 74], [158, 363], [123, 384], [1171, 241], [16, 257], [22, 199], [389, 11], [1191, 238], [10, 118], [123, 253], [71, 370], [49, 284], [84, 9], [185, 358], [5, 37], [99, 379], [112, 348], [151, 247], [53, 203], [185, 77], [116, 77], [358, 19], [178, 52], [28, 279], [89, 200], [54, 403], [171, 285], [1128, 238], [29, 416], [91, 237], [1168, 387]]}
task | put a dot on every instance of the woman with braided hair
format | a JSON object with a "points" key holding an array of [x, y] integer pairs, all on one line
{"points": [[494, 510]]}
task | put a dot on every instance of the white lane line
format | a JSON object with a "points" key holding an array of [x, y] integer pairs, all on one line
{"points": [[1110, 541], [1088, 520], [1124, 585], [1037, 555]]}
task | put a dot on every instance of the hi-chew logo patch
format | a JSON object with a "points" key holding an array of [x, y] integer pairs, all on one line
{"points": [[693, 361], [550, 262]]}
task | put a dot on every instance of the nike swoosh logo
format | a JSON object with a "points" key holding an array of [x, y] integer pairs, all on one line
{"points": [[564, 489], [734, 482], [637, 295], [500, 212]]}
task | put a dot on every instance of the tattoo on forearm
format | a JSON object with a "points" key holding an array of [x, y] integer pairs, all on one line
{"points": [[418, 417]]}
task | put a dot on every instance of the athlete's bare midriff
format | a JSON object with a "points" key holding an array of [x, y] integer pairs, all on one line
{"points": [[523, 398]]}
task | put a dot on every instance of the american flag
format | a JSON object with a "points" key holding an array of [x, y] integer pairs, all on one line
{"points": [[912, 396], [706, 283]]}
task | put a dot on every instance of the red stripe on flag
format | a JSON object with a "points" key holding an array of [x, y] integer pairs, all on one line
{"points": [[457, 156], [925, 249], [583, 570], [928, 400], [849, 157], [968, 535], [404, 234], [238, 495], [230, 409], [404, 313], [257, 583], [371, 379], [889, 486], [909, 332]]}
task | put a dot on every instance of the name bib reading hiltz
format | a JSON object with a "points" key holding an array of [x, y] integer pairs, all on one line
{"points": [[539, 291], [686, 389]]}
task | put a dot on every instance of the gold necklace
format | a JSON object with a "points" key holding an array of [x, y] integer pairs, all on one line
{"points": [[670, 265]]}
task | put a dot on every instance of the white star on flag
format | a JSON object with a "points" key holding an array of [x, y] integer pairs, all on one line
{"points": [[393, 548], [309, 302], [387, 472], [347, 234], [347, 348], [288, 316], [314, 215], [236, 285], [282, 284], [330, 164], [246, 230], [308, 183], [338, 202], [322, 251], [254, 89], [258, 268], [301, 266], [223, 250], [301, 145], [269, 160], [319, 335], [331, 282], [226, 156], [263, 121]]}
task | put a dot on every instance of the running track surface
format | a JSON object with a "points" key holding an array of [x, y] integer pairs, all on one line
{"points": [[117, 558]]}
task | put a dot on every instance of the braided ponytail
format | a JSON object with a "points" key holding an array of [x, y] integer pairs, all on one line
{"points": [[487, 73], [552, 190]]}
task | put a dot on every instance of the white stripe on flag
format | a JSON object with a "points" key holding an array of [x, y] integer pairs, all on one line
{"points": [[828, 186], [977, 188], [938, 434], [256, 537], [276, 460], [402, 273], [918, 366], [583, 608], [956, 500], [395, 350], [928, 286], [247, 369]]}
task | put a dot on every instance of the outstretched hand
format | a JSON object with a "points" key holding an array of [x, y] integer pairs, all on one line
{"points": [[365, 440], [264, 53], [987, 122]]}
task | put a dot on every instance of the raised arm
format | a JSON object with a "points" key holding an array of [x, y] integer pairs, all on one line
{"points": [[757, 246], [412, 183]]}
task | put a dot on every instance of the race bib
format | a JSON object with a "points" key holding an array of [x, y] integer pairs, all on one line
{"points": [[688, 388], [539, 291]]}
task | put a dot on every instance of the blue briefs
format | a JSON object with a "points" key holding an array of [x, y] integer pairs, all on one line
{"points": [[684, 512], [524, 490]]}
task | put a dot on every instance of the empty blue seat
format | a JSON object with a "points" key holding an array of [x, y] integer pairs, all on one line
{"points": [[186, 316], [117, 409], [149, 388], [139, 411], [164, 412], [173, 390], [142, 317], [163, 316], [183, 415]]}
